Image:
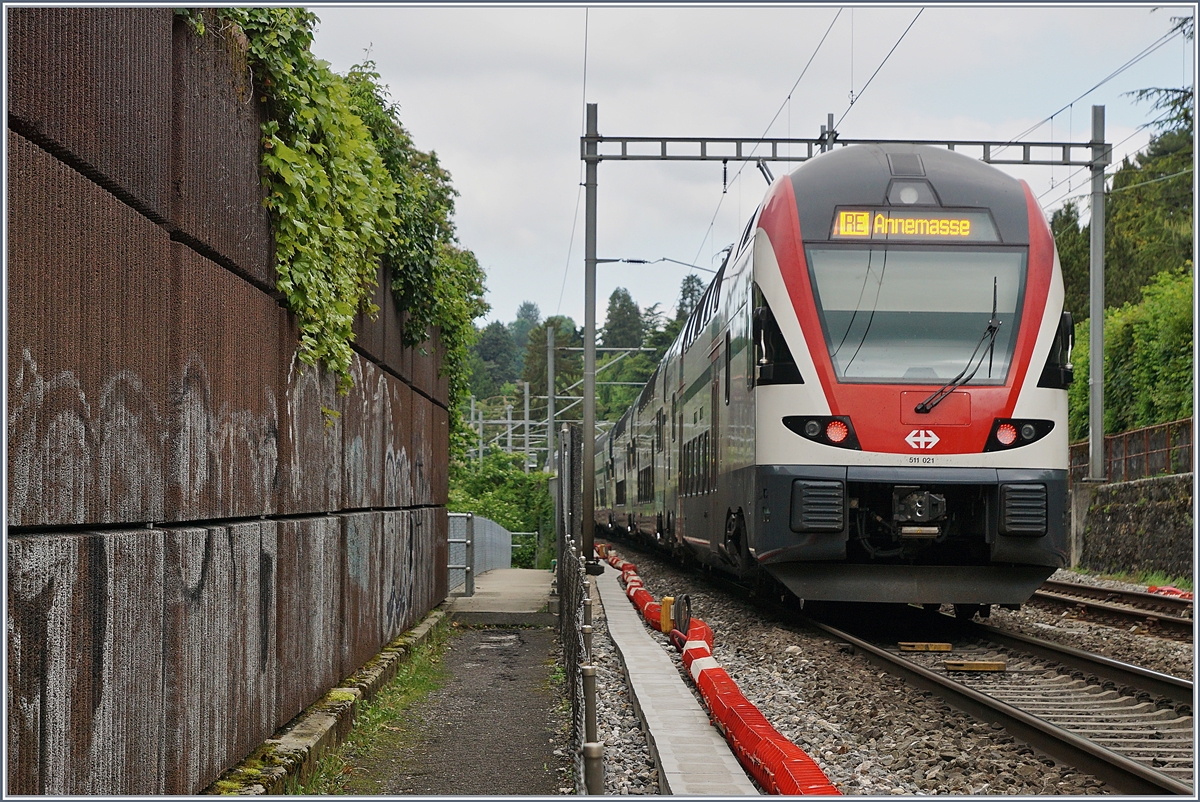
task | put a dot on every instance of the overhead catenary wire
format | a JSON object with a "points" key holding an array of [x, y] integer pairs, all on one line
{"points": [[778, 111], [1146, 52], [858, 97], [1112, 167], [579, 191]]}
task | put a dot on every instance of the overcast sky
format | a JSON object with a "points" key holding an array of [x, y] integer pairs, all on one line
{"points": [[499, 93]]}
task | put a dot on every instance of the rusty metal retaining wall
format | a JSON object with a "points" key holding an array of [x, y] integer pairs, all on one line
{"points": [[196, 551]]}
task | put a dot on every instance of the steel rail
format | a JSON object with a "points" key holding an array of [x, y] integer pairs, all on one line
{"points": [[1180, 691], [1121, 773], [1174, 604], [1169, 623]]}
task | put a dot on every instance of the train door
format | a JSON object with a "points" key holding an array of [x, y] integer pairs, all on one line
{"points": [[715, 519]]}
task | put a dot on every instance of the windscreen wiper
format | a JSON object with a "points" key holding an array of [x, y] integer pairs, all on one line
{"points": [[989, 336]]}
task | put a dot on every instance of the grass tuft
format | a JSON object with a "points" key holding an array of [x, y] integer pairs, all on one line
{"points": [[381, 722]]}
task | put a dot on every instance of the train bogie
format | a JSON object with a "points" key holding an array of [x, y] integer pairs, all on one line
{"points": [[869, 400]]}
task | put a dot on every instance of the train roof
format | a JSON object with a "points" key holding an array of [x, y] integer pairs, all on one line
{"points": [[862, 175]]}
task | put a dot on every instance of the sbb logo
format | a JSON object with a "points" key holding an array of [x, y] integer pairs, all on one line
{"points": [[922, 438]]}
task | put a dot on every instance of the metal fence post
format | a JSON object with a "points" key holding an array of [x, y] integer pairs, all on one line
{"points": [[470, 559], [593, 768], [589, 703]]}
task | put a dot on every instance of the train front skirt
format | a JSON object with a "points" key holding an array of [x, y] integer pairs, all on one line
{"points": [[912, 584]]}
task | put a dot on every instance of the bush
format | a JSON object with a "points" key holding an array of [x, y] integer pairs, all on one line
{"points": [[1148, 366], [498, 488]]}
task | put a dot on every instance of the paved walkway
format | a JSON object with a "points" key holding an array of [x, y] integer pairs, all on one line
{"points": [[491, 729], [508, 597], [692, 756]]}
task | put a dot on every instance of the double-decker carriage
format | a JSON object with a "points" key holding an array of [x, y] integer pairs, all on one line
{"points": [[869, 400]]}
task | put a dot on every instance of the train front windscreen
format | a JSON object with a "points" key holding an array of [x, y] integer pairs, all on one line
{"points": [[912, 315]]}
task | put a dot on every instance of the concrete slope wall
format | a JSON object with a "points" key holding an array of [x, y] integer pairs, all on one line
{"points": [[196, 549], [1141, 526]]}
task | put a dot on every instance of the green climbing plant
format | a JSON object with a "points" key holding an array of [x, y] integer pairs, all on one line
{"points": [[347, 190]]}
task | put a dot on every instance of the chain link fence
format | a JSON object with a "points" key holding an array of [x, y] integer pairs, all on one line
{"points": [[571, 590], [477, 543]]}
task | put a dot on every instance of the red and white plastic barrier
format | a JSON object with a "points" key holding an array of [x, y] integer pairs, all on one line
{"points": [[776, 763], [1170, 590]]}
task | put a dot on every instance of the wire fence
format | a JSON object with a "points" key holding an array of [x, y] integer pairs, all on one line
{"points": [[1160, 450], [570, 582], [477, 543]]}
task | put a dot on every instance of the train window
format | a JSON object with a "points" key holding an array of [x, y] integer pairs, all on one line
{"points": [[915, 316], [728, 368], [746, 234], [774, 363]]}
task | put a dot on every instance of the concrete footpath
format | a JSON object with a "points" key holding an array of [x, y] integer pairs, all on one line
{"points": [[691, 755], [508, 597], [490, 729]]}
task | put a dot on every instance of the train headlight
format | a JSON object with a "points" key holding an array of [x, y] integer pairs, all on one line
{"points": [[1008, 433], [837, 431], [828, 430]]}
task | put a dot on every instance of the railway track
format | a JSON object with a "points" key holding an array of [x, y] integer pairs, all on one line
{"points": [[1164, 615], [1125, 725]]}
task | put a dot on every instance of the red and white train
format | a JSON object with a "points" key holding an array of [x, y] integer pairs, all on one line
{"points": [[869, 401]]}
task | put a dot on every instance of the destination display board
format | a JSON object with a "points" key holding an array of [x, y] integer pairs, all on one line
{"points": [[913, 225]]}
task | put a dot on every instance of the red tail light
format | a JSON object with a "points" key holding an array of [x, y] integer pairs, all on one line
{"points": [[837, 431]]}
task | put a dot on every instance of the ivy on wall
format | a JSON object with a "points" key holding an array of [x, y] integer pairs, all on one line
{"points": [[347, 189]]}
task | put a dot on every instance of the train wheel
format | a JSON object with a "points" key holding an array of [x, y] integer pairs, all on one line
{"points": [[734, 548]]}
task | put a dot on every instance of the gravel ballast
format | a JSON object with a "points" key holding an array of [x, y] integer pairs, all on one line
{"points": [[870, 733]]}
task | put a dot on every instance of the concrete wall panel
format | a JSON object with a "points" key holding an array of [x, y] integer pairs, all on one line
{"points": [[397, 358], [396, 581], [362, 589], [89, 292], [219, 674], [423, 449], [108, 71], [216, 194], [398, 445], [85, 625], [310, 439], [441, 383], [366, 411], [439, 472], [369, 333], [441, 552], [223, 453], [424, 372], [308, 597]]}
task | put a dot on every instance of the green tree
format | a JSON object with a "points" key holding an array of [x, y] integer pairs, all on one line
{"points": [[1074, 255], [497, 487], [568, 368], [690, 290], [1148, 209], [1148, 364], [623, 322], [497, 357], [528, 316]]}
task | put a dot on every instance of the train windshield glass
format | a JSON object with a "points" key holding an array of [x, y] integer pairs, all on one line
{"points": [[907, 316]]}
